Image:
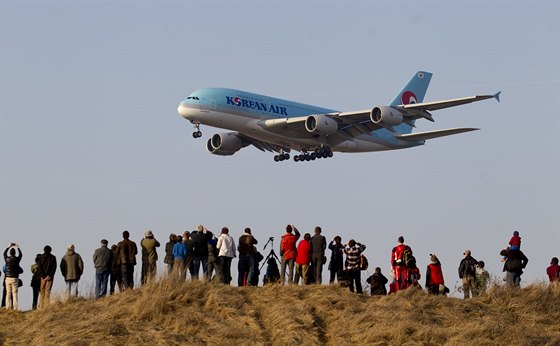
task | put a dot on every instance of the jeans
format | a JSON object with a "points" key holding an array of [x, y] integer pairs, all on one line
{"points": [[290, 264], [198, 260], [101, 279], [71, 288], [513, 279], [245, 267], [302, 271]]}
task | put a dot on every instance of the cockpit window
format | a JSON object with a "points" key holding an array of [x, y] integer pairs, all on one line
{"points": [[192, 98]]}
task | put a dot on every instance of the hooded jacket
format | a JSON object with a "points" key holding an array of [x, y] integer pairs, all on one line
{"points": [[288, 245]]}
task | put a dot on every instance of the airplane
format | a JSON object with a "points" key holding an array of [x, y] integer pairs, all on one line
{"points": [[280, 126]]}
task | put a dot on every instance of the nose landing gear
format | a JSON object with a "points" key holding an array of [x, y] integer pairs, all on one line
{"points": [[197, 133]]}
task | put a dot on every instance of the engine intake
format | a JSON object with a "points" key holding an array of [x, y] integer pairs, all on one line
{"points": [[224, 144], [386, 116], [321, 124]]}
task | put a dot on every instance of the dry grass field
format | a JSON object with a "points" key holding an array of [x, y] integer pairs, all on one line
{"points": [[170, 313]]}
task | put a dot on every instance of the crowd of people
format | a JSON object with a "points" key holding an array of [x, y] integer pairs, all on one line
{"points": [[300, 262]]}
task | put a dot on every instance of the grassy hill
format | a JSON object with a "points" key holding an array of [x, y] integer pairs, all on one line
{"points": [[169, 313]]}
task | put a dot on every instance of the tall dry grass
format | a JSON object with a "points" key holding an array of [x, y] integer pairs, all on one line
{"points": [[171, 313]]}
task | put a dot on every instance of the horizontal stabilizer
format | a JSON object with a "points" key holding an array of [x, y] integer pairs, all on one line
{"points": [[420, 136]]}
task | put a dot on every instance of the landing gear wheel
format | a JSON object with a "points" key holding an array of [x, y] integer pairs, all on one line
{"points": [[296, 158], [301, 157], [313, 156], [276, 158], [197, 134], [330, 154], [286, 156]]}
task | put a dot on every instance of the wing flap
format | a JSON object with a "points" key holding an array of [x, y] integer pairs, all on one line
{"points": [[420, 136]]}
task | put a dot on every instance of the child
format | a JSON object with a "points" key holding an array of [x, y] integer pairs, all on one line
{"points": [[514, 243]]}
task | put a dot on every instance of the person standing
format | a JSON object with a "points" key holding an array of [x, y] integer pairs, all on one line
{"points": [[35, 281], [515, 263], [467, 274], [47, 269], [149, 257], [553, 271], [102, 260], [226, 248], [189, 260], [377, 283], [201, 238], [246, 266], [126, 259], [353, 250], [303, 260], [336, 265], [482, 278], [399, 256], [115, 277], [179, 256], [12, 271], [318, 244], [288, 253], [169, 259], [434, 277], [71, 267]]}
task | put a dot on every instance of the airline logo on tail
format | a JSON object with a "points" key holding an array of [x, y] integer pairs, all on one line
{"points": [[408, 98]]}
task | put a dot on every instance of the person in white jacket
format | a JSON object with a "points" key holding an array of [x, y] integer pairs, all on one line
{"points": [[226, 247]]}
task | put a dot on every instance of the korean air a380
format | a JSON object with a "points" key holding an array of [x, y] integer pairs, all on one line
{"points": [[282, 126]]}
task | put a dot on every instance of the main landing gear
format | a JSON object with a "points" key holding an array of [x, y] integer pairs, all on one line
{"points": [[281, 157], [197, 133], [321, 153]]}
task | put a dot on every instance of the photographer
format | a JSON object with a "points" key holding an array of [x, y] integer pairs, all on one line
{"points": [[353, 251], [12, 275]]}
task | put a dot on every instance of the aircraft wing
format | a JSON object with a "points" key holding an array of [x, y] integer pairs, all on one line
{"points": [[420, 136], [432, 106], [355, 123]]}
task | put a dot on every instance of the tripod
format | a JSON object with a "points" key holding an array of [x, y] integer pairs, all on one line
{"points": [[272, 254]]}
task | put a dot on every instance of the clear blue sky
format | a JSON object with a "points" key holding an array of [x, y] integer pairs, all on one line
{"points": [[91, 142]]}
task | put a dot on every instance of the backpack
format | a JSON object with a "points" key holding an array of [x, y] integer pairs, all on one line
{"points": [[363, 265], [408, 259]]}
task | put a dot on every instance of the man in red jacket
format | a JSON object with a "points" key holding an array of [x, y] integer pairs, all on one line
{"points": [[399, 266], [288, 252], [553, 271], [303, 259]]}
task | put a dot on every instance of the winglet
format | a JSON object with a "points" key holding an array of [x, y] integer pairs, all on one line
{"points": [[497, 96]]}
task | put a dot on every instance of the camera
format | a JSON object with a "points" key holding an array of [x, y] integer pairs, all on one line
{"points": [[271, 238]]}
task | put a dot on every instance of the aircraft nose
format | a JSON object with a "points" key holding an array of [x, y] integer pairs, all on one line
{"points": [[182, 110]]}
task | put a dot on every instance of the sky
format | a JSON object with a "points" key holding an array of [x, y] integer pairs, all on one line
{"points": [[91, 142]]}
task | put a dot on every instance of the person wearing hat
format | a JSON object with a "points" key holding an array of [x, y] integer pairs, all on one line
{"points": [[72, 268], [149, 256], [102, 259], [467, 274]]}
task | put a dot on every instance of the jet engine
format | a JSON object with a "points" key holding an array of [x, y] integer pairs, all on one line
{"points": [[386, 116], [321, 124], [224, 144]]}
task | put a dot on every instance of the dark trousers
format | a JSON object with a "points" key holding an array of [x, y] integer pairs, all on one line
{"points": [[127, 273], [225, 263], [335, 274], [36, 290], [355, 278]]}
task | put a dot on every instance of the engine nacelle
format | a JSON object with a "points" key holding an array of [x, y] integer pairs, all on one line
{"points": [[386, 116], [321, 124], [224, 143]]}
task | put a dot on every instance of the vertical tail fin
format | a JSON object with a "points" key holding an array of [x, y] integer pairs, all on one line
{"points": [[413, 92]]}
